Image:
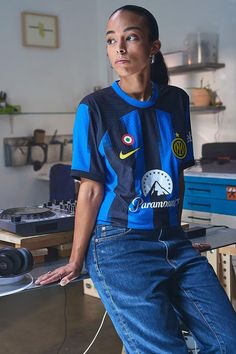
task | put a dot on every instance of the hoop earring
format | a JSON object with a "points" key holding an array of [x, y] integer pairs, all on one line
{"points": [[153, 59]]}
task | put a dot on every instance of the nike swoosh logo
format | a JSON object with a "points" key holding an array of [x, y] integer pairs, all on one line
{"points": [[128, 154]]}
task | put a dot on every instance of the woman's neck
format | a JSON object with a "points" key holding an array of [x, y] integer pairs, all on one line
{"points": [[136, 87]]}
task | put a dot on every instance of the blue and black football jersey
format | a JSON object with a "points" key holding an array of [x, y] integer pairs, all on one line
{"points": [[137, 150]]}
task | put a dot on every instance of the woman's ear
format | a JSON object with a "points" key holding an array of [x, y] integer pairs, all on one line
{"points": [[156, 46]]}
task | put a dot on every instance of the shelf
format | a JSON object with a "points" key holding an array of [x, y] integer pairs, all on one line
{"points": [[22, 151], [195, 67], [206, 110], [33, 113]]}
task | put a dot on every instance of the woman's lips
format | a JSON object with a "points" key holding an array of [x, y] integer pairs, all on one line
{"points": [[121, 61]]}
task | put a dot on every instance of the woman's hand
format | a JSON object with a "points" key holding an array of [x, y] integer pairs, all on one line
{"points": [[64, 274], [201, 247]]}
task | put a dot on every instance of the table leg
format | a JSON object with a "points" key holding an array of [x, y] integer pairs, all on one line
{"points": [[226, 273], [213, 259], [221, 261]]}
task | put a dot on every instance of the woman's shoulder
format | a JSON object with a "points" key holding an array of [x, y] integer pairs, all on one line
{"points": [[172, 90], [172, 98], [97, 96]]}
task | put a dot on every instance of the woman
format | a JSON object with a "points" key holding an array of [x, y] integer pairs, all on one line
{"points": [[131, 144]]}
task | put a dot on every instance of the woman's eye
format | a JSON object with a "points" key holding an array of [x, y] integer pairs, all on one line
{"points": [[110, 41], [132, 37]]}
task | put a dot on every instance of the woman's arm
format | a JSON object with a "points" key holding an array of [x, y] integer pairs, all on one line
{"points": [[88, 203]]}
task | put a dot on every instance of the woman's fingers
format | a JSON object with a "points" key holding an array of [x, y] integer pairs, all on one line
{"points": [[67, 279], [49, 277], [63, 274], [201, 246]]}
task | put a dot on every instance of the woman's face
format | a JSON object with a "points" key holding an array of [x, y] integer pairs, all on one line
{"points": [[128, 45]]}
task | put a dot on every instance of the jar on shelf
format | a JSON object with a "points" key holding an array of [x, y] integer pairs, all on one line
{"points": [[202, 47]]}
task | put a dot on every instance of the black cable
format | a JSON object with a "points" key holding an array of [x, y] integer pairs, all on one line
{"points": [[211, 227]]}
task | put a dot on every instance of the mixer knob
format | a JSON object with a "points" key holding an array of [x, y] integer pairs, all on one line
{"points": [[49, 203], [45, 205], [16, 218]]}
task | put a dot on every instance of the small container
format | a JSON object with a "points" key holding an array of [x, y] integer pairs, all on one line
{"points": [[202, 47], [66, 154], [15, 155], [39, 136], [177, 58], [54, 152]]}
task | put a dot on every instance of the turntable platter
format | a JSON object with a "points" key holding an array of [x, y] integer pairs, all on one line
{"points": [[27, 212], [10, 286]]}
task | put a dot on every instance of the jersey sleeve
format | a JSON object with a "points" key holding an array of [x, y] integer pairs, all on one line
{"points": [[188, 160], [86, 159]]}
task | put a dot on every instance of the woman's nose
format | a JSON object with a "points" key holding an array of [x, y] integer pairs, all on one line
{"points": [[121, 48]]}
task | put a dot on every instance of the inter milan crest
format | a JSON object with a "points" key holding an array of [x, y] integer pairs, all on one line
{"points": [[179, 147]]}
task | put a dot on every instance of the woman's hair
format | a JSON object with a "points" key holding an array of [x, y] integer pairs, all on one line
{"points": [[159, 71]]}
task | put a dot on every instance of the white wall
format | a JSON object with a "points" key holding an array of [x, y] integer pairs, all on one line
{"points": [[43, 80], [176, 19], [55, 80]]}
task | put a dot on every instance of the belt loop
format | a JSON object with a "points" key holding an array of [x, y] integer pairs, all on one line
{"points": [[100, 229]]}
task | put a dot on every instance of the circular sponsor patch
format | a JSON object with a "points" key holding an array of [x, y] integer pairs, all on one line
{"points": [[127, 139], [179, 148]]}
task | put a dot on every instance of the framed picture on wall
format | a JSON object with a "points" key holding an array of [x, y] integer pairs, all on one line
{"points": [[39, 30]]}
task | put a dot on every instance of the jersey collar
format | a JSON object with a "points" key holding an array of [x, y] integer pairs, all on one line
{"points": [[132, 101]]}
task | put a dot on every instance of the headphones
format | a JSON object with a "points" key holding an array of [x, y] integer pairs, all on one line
{"points": [[15, 261]]}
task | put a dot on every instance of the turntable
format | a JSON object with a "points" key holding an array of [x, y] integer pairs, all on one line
{"points": [[42, 219]]}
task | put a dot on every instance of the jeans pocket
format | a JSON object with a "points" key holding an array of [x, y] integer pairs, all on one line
{"points": [[108, 233]]}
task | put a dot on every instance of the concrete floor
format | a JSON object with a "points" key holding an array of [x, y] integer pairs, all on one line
{"points": [[38, 321]]}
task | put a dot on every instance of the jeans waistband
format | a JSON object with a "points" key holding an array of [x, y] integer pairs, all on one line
{"points": [[170, 233]]}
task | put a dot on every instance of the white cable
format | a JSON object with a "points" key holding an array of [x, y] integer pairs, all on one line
{"points": [[195, 347], [195, 343], [99, 329]]}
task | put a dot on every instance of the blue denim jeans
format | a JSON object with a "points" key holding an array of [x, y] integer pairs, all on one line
{"points": [[149, 281]]}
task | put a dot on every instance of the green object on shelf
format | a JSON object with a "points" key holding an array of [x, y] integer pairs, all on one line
{"points": [[9, 109]]}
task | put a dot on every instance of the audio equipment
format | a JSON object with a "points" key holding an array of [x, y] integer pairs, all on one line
{"points": [[57, 216], [15, 261]]}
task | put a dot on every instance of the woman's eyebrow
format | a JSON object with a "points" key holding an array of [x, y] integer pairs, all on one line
{"points": [[126, 29], [132, 28]]}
